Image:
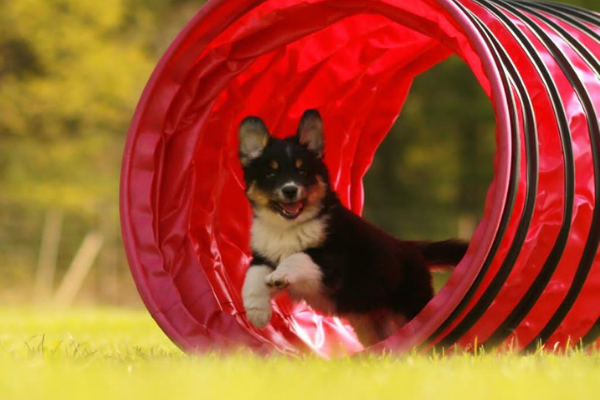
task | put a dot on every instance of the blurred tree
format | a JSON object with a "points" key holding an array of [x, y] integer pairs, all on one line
{"points": [[436, 163], [69, 83], [71, 73]]}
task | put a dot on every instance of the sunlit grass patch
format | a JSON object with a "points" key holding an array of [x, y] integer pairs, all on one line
{"points": [[80, 334], [106, 354]]}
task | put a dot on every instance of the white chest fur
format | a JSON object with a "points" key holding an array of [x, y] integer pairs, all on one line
{"points": [[277, 240]]}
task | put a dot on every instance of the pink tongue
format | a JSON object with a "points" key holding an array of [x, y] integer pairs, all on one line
{"points": [[292, 208]]}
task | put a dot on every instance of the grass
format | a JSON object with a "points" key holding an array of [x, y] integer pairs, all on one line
{"points": [[108, 354]]}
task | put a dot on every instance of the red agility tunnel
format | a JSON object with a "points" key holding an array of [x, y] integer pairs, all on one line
{"points": [[531, 274]]}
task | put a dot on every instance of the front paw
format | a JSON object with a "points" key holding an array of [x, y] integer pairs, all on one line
{"points": [[259, 316], [277, 280], [256, 296]]}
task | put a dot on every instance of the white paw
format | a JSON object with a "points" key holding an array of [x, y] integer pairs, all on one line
{"points": [[259, 316], [256, 296], [277, 280]]}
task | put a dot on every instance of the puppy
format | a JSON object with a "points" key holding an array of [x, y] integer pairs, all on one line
{"points": [[305, 241]]}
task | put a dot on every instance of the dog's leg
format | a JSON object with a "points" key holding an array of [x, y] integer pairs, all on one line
{"points": [[390, 323], [299, 274], [375, 326], [364, 328], [257, 295]]}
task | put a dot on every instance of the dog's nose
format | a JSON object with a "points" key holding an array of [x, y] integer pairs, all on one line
{"points": [[290, 192]]}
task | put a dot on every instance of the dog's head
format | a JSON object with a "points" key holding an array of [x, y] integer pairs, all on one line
{"points": [[286, 179]]}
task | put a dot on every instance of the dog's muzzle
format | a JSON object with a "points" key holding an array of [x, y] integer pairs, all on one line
{"points": [[290, 201]]}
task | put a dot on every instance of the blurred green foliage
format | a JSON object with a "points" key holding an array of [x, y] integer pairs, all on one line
{"points": [[435, 165], [72, 71], [71, 74]]}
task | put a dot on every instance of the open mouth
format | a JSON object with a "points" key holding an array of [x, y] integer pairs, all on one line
{"points": [[289, 210]]}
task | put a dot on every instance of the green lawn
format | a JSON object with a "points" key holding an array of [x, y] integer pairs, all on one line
{"points": [[108, 353]]}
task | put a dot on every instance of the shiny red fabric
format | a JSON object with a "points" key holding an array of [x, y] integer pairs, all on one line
{"points": [[185, 219]]}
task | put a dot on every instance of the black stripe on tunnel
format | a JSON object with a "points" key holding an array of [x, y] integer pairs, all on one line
{"points": [[591, 247], [580, 13], [562, 15], [554, 257], [512, 188], [535, 291]]}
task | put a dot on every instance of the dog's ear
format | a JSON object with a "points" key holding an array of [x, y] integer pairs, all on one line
{"points": [[310, 131], [253, 139]]}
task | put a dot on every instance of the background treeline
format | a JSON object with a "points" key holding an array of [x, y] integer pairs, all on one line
{"points": [[71, 73]]}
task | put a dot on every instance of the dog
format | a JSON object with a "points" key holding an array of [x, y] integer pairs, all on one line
{"points": [[305, 241]]}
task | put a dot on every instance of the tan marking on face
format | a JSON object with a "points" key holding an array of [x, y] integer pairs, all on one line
{"points": [[317, 192], [299, 163], [274, 165], [257, 196]]}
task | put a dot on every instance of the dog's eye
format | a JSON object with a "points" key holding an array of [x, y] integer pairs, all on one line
{"points": [[302, 171], [270, 175]]}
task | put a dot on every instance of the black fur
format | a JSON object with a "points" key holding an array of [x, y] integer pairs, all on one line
{"points": [[258, 259], [366, 269]]}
